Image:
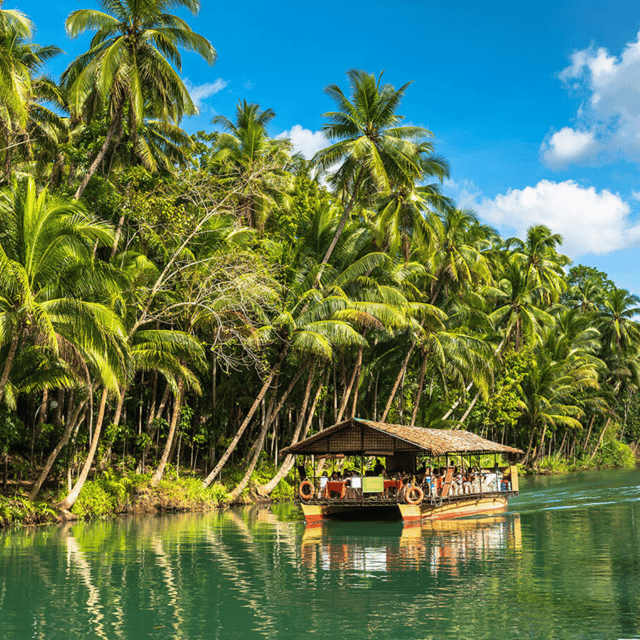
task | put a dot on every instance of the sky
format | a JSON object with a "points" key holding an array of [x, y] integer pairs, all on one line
{"points": [[536, 106]]}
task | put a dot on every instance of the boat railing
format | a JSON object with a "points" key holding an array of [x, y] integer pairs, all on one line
{"points": [[381, 490]]}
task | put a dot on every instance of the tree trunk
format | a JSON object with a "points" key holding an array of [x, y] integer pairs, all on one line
{"points": [[69, 501], [403, 369], [347, 392], [595, 450], [151, 428], [356, 387], [165, 459], [230, 449], [263, 434], [586, 440], [100, 157], [265, 490], [54, 454], [526, 456], [423, 371], [465, 415], [116, 239], [536, 462], [13, 347], [341, 224]]}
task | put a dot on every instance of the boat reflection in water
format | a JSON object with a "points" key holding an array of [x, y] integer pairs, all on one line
{"points": [[439, 545]]}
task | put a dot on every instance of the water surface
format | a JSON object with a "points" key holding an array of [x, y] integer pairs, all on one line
{"points": [[563, 563]]}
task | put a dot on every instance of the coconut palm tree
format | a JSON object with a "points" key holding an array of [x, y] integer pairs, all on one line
{"points": [[47, 281], [19, 61], [373, 150], [544, 265], [518, 310], [132, 67], [246, 153]]}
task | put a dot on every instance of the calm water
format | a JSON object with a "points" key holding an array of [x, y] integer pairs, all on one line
{"points": [[564, 563]]}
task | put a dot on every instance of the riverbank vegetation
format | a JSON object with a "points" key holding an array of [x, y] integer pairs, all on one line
{"points": [[196, 303]]}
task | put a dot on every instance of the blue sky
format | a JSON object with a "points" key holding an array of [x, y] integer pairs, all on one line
{"points": [[536, 107]]}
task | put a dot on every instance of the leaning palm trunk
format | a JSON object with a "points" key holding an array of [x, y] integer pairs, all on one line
{"points": [[116, 422], [72, 496], [58, 448], [423, 371], [168, 447], [265, 490], [263, 434], [347, 393], [472, 404], [531, 436], [536, 462], [151, 426], [234, 443], [403, 370], [341, 225], [101, 154], [13, 347], [595, 450]]}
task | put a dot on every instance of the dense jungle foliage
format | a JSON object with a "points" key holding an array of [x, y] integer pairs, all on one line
{"points": [[197, 303]]}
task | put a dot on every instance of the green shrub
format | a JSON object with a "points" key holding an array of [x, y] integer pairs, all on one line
{"points": [[19, 510], [614, 453], [554, 464], [96, 500]]}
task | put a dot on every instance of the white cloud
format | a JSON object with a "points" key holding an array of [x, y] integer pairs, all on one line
{"points": [[200, 92], [568, 145], [609, 119], [590, 222], [305, 141]]}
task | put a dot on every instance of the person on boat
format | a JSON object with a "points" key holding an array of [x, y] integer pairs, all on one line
{"points": [[456, 485], [467, 482]]}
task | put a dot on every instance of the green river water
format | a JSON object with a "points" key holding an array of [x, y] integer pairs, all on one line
{"points": [[563, 563]]}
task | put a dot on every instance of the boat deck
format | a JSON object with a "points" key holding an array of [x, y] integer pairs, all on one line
{"points": [[376, 500]]}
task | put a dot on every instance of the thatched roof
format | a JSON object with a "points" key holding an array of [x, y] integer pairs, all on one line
{"points": [[358, 436]]}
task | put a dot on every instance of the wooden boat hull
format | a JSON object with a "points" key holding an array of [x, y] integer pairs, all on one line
{"points": [[314, 513], [457, 509]]}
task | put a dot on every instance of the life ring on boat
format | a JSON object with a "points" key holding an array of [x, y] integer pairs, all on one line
{"points": [[414, 495], [306, 490]]}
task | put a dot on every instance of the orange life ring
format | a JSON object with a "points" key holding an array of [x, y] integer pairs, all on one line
{"points": [[311, 491], [414, 495]]}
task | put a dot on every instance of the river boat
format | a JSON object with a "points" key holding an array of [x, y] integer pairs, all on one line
{"points": [[430, 474]]}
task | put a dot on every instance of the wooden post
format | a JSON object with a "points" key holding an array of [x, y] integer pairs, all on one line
{"points": [[515, 485]]}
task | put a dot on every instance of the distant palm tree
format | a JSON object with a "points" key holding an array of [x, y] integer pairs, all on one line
{"points": [[132, 67], [538, 253], [247, 152], [518, 310], [453, 250]]}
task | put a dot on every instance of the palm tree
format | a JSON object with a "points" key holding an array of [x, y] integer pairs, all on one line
{"points": [[132, 67], [544, 265], [518, 311], [19, 60], [402, 215], [247, 154], [47, 280], [620, 332], [374, 152], [453, 250]]}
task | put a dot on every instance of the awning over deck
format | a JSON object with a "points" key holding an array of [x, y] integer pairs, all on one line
{"points": [[356, 436]]}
